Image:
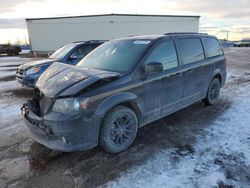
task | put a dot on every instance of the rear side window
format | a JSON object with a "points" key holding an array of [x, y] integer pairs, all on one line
{"points": [[164, 53], [191, 50], [212, 47]]}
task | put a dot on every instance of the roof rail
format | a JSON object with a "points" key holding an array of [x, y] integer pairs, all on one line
{"points": [[78, 41], [90, 41], [93, 41], [192, 33]]}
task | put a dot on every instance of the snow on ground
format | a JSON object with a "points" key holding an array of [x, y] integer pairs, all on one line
{"points": [[4, 74], [10, 116], [227, 140], [16, 63], [219, 153], [9, 85], [7, 68], [14, 60], [9, 58], [8, 109]]}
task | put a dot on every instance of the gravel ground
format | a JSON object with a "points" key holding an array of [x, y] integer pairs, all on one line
{"points": [[199, 146]]}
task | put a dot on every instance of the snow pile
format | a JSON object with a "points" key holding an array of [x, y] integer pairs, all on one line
{"points": [[221, 152]]}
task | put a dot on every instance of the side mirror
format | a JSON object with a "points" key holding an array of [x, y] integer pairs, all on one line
{"points": [[153, 67]]}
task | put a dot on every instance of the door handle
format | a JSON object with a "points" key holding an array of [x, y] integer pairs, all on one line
{"points": [[178, 74], [173, 75], [189, 70]]}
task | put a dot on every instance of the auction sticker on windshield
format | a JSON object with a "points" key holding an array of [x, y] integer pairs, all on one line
{"points": [[141, 42]]}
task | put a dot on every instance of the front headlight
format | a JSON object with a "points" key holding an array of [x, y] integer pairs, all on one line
{"points": [[33, 70], [70, 106]]}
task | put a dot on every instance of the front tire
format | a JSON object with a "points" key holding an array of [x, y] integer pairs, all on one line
{"points": [[213, 92], [118, 130]]}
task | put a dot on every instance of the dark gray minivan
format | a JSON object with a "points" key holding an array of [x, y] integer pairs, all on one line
{"points": [[122, 85]]}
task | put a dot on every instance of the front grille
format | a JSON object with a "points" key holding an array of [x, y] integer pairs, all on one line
{"points": [[20, 71], [44, 104], [41, 102]]}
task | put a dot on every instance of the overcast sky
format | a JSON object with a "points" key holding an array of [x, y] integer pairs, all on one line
{"points": [[217, 16]]}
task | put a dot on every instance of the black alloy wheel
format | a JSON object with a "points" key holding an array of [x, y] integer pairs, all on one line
{"points": [[119, 129], [213, 92]]}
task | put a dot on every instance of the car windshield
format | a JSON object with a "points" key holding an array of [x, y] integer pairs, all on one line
{"points": [[118, 55], [61, 52]]}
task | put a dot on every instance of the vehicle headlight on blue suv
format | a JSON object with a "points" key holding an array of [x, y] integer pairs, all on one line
{"points": [[33, 70], [71, 106]]}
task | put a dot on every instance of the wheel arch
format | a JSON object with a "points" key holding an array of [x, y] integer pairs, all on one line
{"points": [[217, 74], [127, 99]]}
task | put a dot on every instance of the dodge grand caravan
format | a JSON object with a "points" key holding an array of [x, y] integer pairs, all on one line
{"points": [[121, 86], [28, 73]]}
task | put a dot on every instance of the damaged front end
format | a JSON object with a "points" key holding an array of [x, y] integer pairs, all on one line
{"points": [[57, 115], [57, 130], [39, 104], [62, 80]]}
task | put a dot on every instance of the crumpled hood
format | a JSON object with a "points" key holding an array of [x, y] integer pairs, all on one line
{"points": [[37, 63], [61, 80]]}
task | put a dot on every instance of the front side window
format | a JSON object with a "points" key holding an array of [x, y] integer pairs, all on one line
{"points": [[164, 53], [212, 47], [81, 52], [191, 50], [118, 55]]}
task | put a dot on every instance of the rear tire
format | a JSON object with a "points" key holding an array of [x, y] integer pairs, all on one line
{"points": [[213, 92], [118, 130]]}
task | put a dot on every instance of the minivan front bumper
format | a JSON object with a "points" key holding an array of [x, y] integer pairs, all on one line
{"points": [[62, 132]]}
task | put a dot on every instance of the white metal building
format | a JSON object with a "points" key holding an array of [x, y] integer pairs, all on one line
{"points": [[48, 34]]}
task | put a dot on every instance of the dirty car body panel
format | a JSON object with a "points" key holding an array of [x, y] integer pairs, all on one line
{"points": [[98, 89]]}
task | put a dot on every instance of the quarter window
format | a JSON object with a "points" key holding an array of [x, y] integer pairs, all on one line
{"points": [[191, 50], [164, 53], [212, 47]]}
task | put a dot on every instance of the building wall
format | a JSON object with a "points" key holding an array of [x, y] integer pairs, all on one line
{"points": [[50, 34]]}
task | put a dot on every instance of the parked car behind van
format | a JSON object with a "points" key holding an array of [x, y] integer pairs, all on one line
{"points": [[10, 49], [121, 86], [28, 73]]}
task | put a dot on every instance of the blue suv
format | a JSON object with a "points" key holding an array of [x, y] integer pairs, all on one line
{"points": [[28, 73]]}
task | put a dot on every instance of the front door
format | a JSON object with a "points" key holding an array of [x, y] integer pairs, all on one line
{"points": [[164, 90]]}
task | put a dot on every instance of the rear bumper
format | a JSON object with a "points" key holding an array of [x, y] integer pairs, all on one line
{"points": [[62, 132]]}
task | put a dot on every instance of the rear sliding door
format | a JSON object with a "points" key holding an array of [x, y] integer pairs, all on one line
{"points": [[192, 58]]}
